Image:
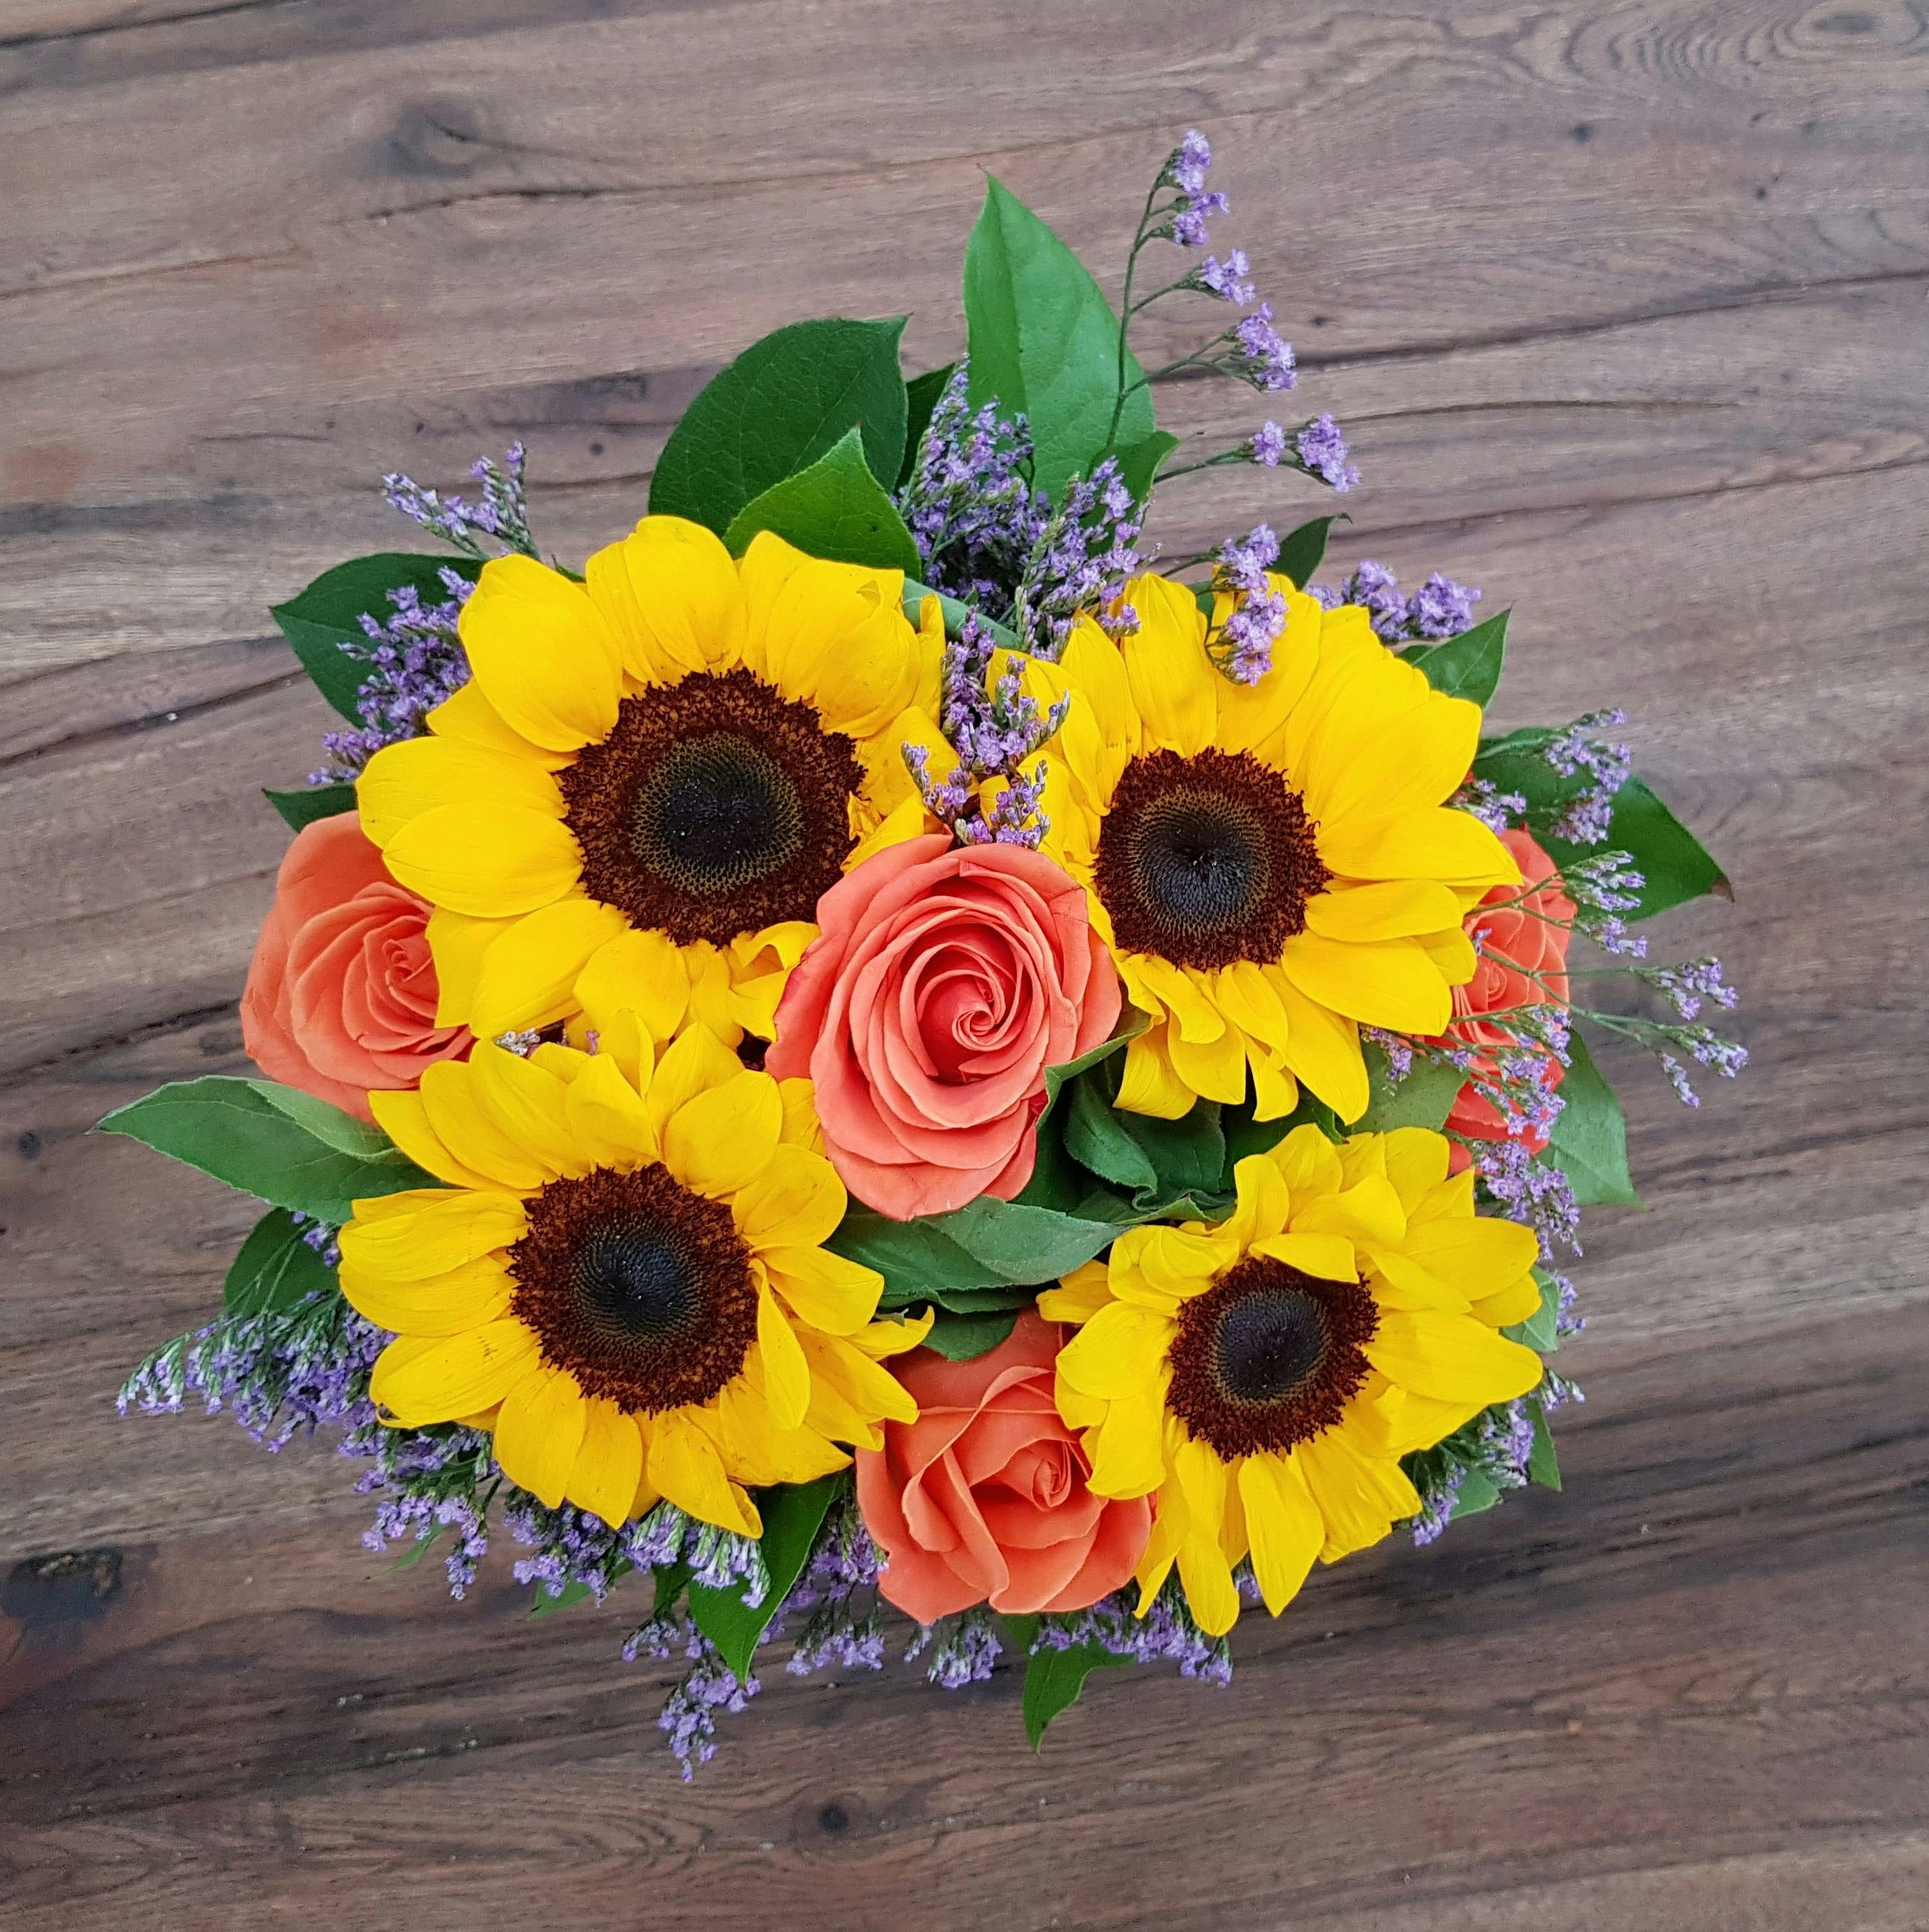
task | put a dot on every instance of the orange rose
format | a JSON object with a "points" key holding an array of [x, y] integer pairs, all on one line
{"points": [[341, 991], [1519, 931], [985, 1497], [946, 980]]}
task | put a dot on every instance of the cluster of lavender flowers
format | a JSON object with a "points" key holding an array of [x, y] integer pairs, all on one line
{"points": [[1241, 646], [1440, 608], [497, 524], [415, 662], [994, 727], [1079, 561], [1165, 1634], [969, 504], [1483, 1459], [1608, 766]]}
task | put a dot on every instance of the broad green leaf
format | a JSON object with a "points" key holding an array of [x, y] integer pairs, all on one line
{"points": [[792, 1516], [1245, 1135], [920, 399], [1674, 865], [835, 509], [307, 803], [574, 1591], [327, 615], [1469, 665], [784, 403], [283, 1147], [1054, 1679], [1589, 1141], [1026, 1244], [1477, 1492], [1138, 462], [962, 1338], [275, 1270], [990, 1243], [1424, 1098], [1044, 341], [1542, 1329], [1303, 550], [1543, 1466], [1159, 1161]]}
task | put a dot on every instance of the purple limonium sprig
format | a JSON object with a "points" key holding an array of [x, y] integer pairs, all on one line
{"points": [[1607, 766], [1166, 1634], [1440, 608], [416, 661], [1079, 563], [1184, 219], [1496, 809], [1241, 647], [969, 504], [495, 525]]}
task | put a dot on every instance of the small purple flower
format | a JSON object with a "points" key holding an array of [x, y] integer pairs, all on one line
{"points": [[1268, 446], [1322, 451], [1230, 280], [1261, 356]]}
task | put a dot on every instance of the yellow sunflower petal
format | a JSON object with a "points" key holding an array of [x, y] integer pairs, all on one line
{"points": [[1251, 715], [1118, 1353], [1148, 1084], [607, 1119], [1171, 677], [444, 1304], [526, 1102], [1388, 909], [541, 653], [1283, 1523], [1328, 1257], [489, 861], [458, 944], [609, 1464], [1390, 983], [1310, 1163], [539, 1430], [796, 1201], [403, 781], [1479, 1256], [786, 1374], [834, 1295], [721, 1139], [1210, 1592], [1419, 757], [453, 1106], [1126, 1449], [402, 1116], [801, 1126], [419, 1382], [1451, 1358], [685, 1466], [429, 1232], [1214, 1070], [1351, 1492], [1322, 1049], [1369, 1211], [1079, 1296], [1416, 1164], [641, 972], [694, 1063], [468, 718], [670, 594], [1514, 1303], [1157, 1267], [1452, 847], [528, 976]]}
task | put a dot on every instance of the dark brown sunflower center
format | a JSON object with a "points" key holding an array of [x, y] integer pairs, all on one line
{"points": [[1207, 860], [1268, 1357], [715, 807], [639, 1288]]}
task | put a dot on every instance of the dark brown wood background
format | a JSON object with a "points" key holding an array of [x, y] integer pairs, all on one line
{"points": [[1627, 306]]}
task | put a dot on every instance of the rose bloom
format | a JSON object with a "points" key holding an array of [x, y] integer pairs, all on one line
{"points": [[946, 980], [984, 1498], [1513, 923], [341, 991]]}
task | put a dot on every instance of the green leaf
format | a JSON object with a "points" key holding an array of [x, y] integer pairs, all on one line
{"points": [[956, 611], [920, 398], [1245, 1135], [1589, 1140], [792, 1516], [1159, 1161], [1469, 665], [574, 1591], [1543, 1467], [1477, 1492], [1674, 865], [990, 1243], [1303, 550], [835, 509], [784, 403], [671, 1580], [1043, 339], [1424, 1098], [1054, 1679], [962, 1338], [275, 1270], [283, 1147], [307, 803], [1138, 462], [1542, 1329], [327, 615]]}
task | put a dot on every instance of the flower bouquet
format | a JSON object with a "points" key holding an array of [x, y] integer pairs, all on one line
{"points": [[883, 1045]]}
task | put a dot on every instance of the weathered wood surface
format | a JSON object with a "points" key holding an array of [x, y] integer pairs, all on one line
{"points": [[1628, 309]]}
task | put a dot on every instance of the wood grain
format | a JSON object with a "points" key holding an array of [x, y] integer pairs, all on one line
{"points": [[1627, 307]]}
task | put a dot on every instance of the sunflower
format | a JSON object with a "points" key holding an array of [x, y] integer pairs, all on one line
{"points": [[654, 774], [1265, 1376], [623, 1279], [1274, 864]]}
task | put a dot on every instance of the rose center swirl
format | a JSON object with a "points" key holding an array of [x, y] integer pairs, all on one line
{"points": [[1269, 1356], [1207, 860], [715, 807], [638, 1288]]}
